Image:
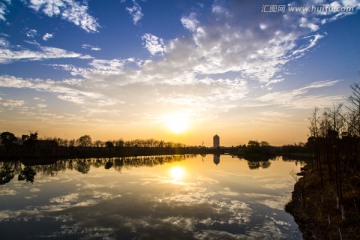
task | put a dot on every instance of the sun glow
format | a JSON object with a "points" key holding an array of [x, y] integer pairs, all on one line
{"points": [[177, 123]]}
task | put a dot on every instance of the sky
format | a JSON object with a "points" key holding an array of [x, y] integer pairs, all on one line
{"points": [[177, 70]]}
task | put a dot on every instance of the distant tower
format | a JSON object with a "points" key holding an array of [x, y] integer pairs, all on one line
{"points": [[216, 141]]}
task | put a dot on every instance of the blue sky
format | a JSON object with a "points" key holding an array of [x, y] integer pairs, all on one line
{"points": [[137, 69]]}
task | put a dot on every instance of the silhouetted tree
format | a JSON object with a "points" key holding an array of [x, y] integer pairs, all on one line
{"points": [[314, 133], [8, 139], [336, 118], [253, 143], [84, 141], [119, 143], [30, 140], [33, 136], [109, 144], [72, 143], [98, 143], [314, 123]]}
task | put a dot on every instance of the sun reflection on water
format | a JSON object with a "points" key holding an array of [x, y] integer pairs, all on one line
{"points": [[177, 174]]}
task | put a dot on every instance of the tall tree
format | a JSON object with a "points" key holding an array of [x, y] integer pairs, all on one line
{"points": [[336, 118], [314, 123], [354, 100]]}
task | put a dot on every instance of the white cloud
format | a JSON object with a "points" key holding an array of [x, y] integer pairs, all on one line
{"points": [[11, 104], [41, 105], [219, 8], [153, 44], [69, 10], [190, 22], [90, 47], [4, 43], [135, 12], [304, 22], [47, 36], [31, 33]]}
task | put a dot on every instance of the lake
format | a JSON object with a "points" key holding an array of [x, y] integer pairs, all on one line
{"points": [[171, 197]]}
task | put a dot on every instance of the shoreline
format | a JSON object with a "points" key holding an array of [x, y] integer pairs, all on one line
{"points": [[296, 209], [316, 212]]}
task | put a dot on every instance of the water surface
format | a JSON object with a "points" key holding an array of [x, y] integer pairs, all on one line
{"points": [[150, 198]]}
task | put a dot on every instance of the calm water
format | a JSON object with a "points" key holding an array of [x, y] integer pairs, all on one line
{"points": [[193, 198]]}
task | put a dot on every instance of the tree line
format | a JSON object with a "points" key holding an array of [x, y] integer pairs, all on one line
{"points": [[31, 146], [8, 138]]}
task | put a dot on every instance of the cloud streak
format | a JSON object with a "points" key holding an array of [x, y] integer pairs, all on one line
{"points": [[3, 9], [299, 98], [65, 90], [10, 54], [90, 47]]}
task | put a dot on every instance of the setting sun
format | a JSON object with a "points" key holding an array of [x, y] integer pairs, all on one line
{"points": [[177, 123]]}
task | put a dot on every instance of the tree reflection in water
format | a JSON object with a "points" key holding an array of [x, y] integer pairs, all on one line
{"points": [[254, 161], [6, 174], [258, 164], [26, 170], [27, 174]]}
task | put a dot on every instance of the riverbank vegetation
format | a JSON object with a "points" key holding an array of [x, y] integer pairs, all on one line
{"points": [[326, 201]]}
